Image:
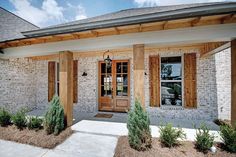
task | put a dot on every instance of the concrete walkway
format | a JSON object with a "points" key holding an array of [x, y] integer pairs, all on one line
{"points": [[91, 139]]}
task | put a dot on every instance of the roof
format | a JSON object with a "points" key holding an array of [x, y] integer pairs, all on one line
{"points": [[12, 25], [137, 16]]}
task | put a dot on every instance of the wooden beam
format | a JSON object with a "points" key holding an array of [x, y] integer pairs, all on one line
{"points": [[117, 30], [233, 82], [165, 24], [195, 21], [227, 18], [95, 33], [140, 28], [66, 84], [212, 48], [139, 69]]}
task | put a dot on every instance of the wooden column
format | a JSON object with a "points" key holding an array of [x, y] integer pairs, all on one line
{"points": [[138, 57], [66, 84], [233, 82]]}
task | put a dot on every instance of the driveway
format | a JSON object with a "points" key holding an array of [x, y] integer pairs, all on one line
{"points": [[91, 139]]}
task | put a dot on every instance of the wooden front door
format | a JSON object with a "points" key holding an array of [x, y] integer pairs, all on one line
{"points": [[114, 86]]}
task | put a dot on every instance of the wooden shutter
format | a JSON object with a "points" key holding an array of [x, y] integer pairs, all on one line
{"points": [[75, 81], [154, 78], [190, 89], [51, 79]]}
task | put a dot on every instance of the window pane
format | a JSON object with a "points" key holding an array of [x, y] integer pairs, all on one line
{"points": [[125, 91], [119, 90], [171, 68], [125, 67], [103, 67], [118, 67], [171, 93]]}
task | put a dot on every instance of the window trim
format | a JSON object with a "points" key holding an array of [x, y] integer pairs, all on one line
{"points": [[182, 80], [57, 77]]}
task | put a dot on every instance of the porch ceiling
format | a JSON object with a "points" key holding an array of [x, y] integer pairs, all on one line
{"points": [[193, 35]]}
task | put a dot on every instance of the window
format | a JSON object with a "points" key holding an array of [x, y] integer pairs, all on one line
{"points": [[171, 81]]}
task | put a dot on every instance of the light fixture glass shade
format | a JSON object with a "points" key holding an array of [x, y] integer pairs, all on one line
{"points": [[108, 61]]}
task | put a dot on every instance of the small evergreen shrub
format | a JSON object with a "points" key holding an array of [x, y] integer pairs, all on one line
{"points": [[34, 123], [19, 119], [54, 118], [204, 140], [169, 136], [139, 135], [228, 134], [5, 117]]}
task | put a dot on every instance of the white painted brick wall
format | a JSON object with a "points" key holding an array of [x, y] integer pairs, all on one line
{"points": [[24, 83]]}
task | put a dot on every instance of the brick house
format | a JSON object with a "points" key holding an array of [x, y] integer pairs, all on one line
{"points": [[178, 60]]}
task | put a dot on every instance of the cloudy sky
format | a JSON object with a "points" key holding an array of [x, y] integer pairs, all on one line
{"points": [[50, 12]]}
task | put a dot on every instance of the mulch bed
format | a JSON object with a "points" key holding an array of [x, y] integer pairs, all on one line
{"points": [[36, 138], [186, 149]]}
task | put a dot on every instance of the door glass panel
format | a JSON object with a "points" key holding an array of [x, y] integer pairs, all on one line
{"points": [[106, 80], [103, 68], [125, 91], [125, 67], [122, 79], [125, 79], [119, 90], [118, 67]]}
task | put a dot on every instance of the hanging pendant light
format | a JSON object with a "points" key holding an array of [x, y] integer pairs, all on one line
{"points": [[107, 60]]}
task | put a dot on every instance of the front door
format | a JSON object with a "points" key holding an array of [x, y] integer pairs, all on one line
{"points": [[114, 86]]}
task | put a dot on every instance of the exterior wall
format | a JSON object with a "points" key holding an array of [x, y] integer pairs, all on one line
{"points": [[25, 84], [223, 83], [17, 84]]}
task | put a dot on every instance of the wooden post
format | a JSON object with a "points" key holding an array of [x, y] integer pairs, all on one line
{"points": [[138, 56], [233, 82], [66, 84]]}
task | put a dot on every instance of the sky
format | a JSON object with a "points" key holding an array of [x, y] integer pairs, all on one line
{"points": [[45, 13]]}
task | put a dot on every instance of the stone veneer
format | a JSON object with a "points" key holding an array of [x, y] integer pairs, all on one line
{"points": [[24, 84]]}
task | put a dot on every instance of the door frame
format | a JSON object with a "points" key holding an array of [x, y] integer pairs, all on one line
{"points": [[114, 98]]}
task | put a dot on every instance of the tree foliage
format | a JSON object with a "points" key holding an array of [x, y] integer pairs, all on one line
{"points": [[139, 130]]}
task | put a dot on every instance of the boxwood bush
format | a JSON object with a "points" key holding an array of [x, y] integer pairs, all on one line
{"points": [[204, 140], [139, 130], [228, 134], [5, 117], [169, 136], [19, 119], [34, 123]]}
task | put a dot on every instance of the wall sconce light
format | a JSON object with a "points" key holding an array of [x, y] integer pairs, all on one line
{"points": [[145, 73], [84, 74]]}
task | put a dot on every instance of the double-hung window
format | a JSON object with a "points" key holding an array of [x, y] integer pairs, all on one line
{"points": [[171, 81]]}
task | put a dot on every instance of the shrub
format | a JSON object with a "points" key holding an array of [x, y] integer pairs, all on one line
{"points": [[5, 117], [54, 118], [169, 136], [19, 119], [204, 140], [228, 134], [34, 123], [138, 126]]}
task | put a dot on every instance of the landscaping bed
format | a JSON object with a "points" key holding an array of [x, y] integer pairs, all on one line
{"points": [[185, 149], [37, 138]]}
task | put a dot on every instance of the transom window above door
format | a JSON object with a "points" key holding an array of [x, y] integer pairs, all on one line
{"points": [[171, 81]]}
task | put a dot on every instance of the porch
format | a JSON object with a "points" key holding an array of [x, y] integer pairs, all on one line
{"points": [[122, 118]]}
